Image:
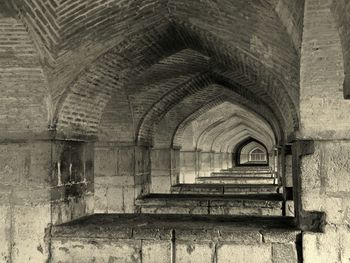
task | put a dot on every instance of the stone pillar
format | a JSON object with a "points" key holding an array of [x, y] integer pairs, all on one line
{"points": [[188, 166], [175, 166], [122, 174], [161, 170], [41, 183], [217, 162], [165, 169], [324, 172], [206, 164]]}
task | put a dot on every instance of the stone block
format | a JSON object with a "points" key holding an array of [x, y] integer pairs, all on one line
{"points": [[280, 236], [161, 159], [29, 231], [332, 206], [154, 233], [156, 251], [115, 202], [5, 233], [105, 162], [290, 209], [234, 253], [321, 247], [127, 180], [126, 161], [284, 253], [160, 184], [129, 199], [82, 251], [194, 252], [100, 199], [12, 163]]}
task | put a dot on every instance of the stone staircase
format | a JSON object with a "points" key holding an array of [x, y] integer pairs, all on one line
{"points": [[142, 238], [235, 191], [225, 189], [240, 176]]}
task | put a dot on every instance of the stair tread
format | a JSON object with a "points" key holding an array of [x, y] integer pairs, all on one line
{"points": [[253, 197], [225, 185], [102, 224]]}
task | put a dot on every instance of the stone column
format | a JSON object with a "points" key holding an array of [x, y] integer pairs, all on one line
{"points": [[217, 162], [324, 181], [205, 164], [188, 166], [122, 174], [41, 183], [165, 169]]}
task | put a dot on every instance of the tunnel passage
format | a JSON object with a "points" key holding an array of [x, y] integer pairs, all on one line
{"points": [[157, 101]]}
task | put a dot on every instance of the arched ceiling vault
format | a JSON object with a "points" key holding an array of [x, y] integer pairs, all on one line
{"points": [[342, 17], [242, 135], [249, 125], [210, 127], [91, 51]]}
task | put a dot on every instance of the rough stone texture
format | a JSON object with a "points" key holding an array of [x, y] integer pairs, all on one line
{"points": [[135, 74], [24, 109], [322, 107], [341, 15], [211, 205], [244, 253], [122, 173], [156, 251], [104, 251], [232, 240], [34, 194]]}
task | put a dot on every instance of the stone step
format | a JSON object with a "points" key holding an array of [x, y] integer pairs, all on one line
{"points": [[257, 205], [234, 180], [185, 238], [246, 174], [257, 168], [223, 189], [246, 171]]}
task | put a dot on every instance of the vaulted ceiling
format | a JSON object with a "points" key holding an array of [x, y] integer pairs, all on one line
{"points": [[119, 70]]}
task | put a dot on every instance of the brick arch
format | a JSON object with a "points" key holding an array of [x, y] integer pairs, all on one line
{"points": [[193, 105], [342, 17], [145, 131], [77, 34], [243, 136], [244, 132], [247, 71], [269, 118], [84, 124], [111, 71], [211, 139], [26, 105], [254, 126]]}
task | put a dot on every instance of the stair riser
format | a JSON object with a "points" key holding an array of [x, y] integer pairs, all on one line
{"points": [[213, 210], [210, 207], [211, 180], [262, 175], [226, 191]]}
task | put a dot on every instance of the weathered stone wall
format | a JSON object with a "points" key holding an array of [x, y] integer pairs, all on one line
{"points": [[324, 174], [160, 243], [42, 183]]}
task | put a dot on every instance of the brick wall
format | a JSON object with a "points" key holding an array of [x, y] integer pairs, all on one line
{"points": [[25, 101]]}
